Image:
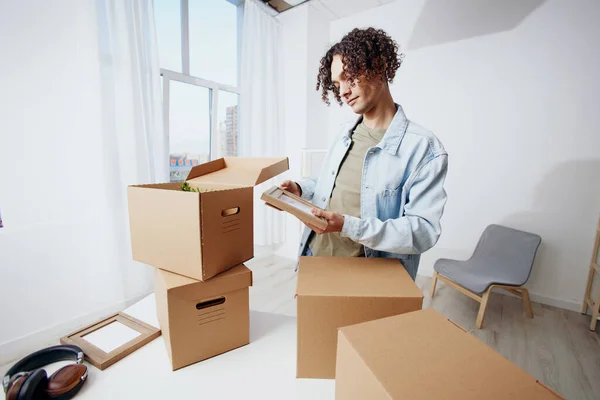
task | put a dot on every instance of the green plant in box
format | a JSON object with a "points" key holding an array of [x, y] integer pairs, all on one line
{"points": [[185, 186]]}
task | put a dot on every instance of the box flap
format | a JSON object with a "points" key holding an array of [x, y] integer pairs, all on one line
{"points": [[238, 171], [235, 278], [424, 347], [354, 276]]}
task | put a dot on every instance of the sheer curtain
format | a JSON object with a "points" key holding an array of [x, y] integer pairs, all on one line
{"points": [[134, 147], [261, 110], [80, 121]]}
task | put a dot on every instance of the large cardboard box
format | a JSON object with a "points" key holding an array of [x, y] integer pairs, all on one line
{"points": [[201, 233], [337, 291], [422, 355], [200, 320]]}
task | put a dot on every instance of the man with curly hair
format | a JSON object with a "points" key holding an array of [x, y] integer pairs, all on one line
{"points": [[382, 183]]}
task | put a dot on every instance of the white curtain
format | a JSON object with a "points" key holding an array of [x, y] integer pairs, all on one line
{"points": [[80, 120], [261, 110], [135, 150]]}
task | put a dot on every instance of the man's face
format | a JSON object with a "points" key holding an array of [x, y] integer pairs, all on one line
{"points": [[361, 96]]}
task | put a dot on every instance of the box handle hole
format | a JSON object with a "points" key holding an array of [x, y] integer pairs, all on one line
{"points": [[230, 211], [210, 303]]}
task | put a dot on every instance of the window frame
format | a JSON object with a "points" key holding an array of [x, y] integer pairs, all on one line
{"points": [[213, 86]]}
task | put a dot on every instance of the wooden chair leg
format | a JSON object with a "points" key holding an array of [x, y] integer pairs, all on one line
{"points": [[433, 283], [483, 307], [595, 311], [594, 318], [588, 291], [526, 302]]}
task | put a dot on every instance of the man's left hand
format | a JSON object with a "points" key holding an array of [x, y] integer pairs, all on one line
{"points": [[335, 221]]}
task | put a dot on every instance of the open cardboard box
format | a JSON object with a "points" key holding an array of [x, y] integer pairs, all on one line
{"points": [[200, 320], [423, 355], [337, 291], [203, 232]]}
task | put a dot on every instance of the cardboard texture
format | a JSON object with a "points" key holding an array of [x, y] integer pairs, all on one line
{"points": [[337, 291], [283, 200], [200, 234], [200, 320], [422, 355]]}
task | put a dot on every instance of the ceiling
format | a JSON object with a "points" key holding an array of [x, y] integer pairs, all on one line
{"points": [[331, 9]]}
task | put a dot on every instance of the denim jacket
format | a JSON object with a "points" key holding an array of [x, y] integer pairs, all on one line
{"points": [[402, 196]]}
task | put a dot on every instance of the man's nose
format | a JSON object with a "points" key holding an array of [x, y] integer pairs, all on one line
{"points": [[345, 89]]}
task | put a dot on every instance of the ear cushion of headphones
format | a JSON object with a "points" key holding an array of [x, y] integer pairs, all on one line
{"points": [[34, 386], [65, 380], [14, 385]]}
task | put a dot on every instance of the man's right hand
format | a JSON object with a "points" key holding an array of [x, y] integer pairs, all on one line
{"points": [[291, 187]]}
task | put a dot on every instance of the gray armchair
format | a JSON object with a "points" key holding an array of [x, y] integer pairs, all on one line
{"points": [[503, 259]]}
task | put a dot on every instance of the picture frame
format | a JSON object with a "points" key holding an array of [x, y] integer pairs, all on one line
{"points": [[98, 357], [300, 208]]}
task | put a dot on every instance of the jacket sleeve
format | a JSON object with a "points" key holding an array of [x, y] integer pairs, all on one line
{"points": [[419, 228], [308, 188]]}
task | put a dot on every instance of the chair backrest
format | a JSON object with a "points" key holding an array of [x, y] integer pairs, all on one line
{"points": [[507, 251]]}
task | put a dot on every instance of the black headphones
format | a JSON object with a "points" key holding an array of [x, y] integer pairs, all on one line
{"points": [[26, 380]]}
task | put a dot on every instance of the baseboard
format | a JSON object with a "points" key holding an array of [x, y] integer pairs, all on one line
{"points": [[560, 303], [20, 347]]}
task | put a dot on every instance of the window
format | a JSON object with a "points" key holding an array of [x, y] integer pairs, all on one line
{"points": [[199, 46]]}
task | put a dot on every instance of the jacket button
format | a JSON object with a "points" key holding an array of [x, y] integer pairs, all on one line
{"points": [[332, 172], [323, 198]]}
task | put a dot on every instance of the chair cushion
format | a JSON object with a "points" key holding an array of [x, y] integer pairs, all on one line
{"points": [[503, 256], [475, 279]]}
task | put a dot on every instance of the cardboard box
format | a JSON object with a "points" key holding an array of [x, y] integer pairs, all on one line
{"points": [[200, 320], [337, 291], [283, 200], [422, 355], [202, 233]]}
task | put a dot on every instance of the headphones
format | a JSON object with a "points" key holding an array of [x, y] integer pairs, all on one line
{"points": [[26, 380]]}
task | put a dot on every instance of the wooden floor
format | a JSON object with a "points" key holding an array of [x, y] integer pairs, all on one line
{"points": [[556, 346]]}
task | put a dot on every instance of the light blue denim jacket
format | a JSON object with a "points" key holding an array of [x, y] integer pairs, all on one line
{"points": [[402, 196]]}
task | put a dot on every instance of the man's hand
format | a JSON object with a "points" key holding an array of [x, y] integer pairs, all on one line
{"points": [[335, 221], [291, 187]]}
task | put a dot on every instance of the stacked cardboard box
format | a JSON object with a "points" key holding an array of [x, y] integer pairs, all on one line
{"points": [[333, 292], [198, 234]]}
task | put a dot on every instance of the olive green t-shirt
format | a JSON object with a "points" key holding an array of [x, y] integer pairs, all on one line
{"points": [[345, 197]]}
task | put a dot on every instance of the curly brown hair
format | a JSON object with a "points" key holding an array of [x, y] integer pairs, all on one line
{"points": [[370, 53]]}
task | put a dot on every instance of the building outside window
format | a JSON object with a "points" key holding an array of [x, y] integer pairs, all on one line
{"points": [[199, 48]]}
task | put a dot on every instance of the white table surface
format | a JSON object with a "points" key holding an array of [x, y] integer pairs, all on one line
{"points": [[263, 369]]}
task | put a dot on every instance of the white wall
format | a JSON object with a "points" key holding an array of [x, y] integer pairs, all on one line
{"points": [[518, 114], [317, 44], [56, 271]]}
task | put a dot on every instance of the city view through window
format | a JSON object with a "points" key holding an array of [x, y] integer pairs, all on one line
{"points": [[200, 73]]}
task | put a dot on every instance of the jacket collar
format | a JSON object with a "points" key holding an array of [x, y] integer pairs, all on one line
{"points": [[394, 133]]}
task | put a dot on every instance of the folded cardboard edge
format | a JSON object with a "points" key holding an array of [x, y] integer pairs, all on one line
{"points": [[456, 325], [178, 280], [550, 390], [274, 166], [273, 170], [206, 168], [341, 333]]}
